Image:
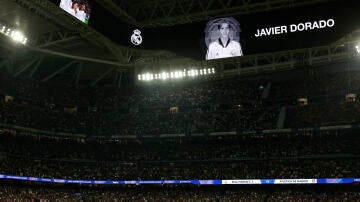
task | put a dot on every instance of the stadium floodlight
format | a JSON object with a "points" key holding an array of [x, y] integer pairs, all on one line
{"points": [[8, 31], [176, 74], [163, 76], [191, 73], [147, 77], [17, 36], [357, 49]]}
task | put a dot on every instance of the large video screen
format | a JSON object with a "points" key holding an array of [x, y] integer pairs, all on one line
{"points": [[232, 35], [222, 38], [80, 9]]}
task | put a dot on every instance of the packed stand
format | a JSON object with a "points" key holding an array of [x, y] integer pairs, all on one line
{"points": [[137, 123], [331, 155], [8, 193], [238, 147], [255, 169], [192, 94], [325, 114], [33, 193], [319, 84]]}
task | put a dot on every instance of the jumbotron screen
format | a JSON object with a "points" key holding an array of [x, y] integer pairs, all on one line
{"points": [[239, 35], [80, 9], [231, 35]]}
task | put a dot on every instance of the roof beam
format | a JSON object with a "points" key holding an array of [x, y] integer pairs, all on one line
{"points": [[60, 70], [35, 67], [103, 75], [57, 41], [71, 56], [117, 11], [4, 63], [25, 67], [78, 72]]}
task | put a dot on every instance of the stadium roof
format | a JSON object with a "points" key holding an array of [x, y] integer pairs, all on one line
{"points": [[62, 47], [167, 13]]}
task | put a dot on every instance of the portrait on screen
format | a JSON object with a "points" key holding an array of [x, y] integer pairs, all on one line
{"points": [[222, 38], [81, 9]]}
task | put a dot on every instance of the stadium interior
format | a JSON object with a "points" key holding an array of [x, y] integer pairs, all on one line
{"points": [[119, 100]]}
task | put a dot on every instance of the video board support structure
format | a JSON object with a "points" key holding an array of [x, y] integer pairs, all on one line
{"points": [[343, 50], [287, 60]]}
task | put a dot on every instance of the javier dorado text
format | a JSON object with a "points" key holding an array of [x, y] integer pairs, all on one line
{"points": [[321, 24]]}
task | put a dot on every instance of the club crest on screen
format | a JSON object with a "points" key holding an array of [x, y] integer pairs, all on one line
{"points": [[136, 37]]}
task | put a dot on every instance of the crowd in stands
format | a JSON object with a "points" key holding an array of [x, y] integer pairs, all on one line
{"points": [[332, 83], [325, 114], [13, 193], [219, 106], [117, 123], [236, 147], [193, 94], [179, 109], [9, 193], [250, 169], [325, 155], [311, 196]]}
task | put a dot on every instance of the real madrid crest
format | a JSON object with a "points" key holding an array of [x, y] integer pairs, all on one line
{"points": [[136, 38]]}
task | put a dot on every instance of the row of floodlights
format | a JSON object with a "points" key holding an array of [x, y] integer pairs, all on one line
{"points": [[176, 74], [15, 35]]}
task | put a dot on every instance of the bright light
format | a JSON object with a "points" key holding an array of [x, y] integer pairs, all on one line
{"points": [[357, 49], [163, 76], [8, 32], [192, 73], [15, 35], [146, 77], [176, 74]]}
